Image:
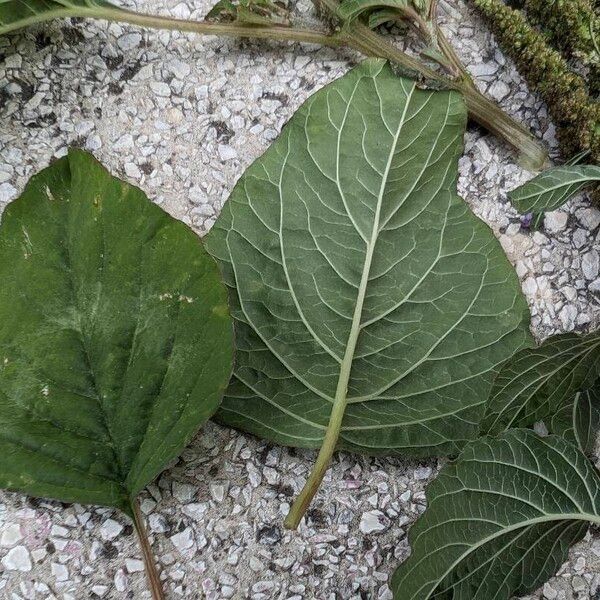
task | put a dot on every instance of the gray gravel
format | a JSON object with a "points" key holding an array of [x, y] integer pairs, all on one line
{"points": [[182, 116]]}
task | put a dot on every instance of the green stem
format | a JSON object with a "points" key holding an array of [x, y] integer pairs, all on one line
{"points": [[450, 54], [341, 393], [149, 561], [273, 32], [303, 500]]}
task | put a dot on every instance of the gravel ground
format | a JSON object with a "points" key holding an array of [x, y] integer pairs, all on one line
{"points": [[182, 116]]}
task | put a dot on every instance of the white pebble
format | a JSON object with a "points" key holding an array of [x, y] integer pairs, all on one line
{"points": [[183, 540], [120, 581], [227, 152], [100, 590], [7, 192], [110, 529], [499, 90], [184, 492], [160, 88], [217, 491], [11, 535], [590, 264], [129, 41], [555, 221], [60, 572], [17, 559], [125, 142], [372, 522], [134, 566]]}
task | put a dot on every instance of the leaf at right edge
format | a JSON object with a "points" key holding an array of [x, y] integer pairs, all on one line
{"points": [[579, 420], [500, 519], [537, 382], [16, 14], [552, 188], [440, 308]]}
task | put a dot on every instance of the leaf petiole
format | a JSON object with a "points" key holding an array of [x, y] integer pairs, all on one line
{"points": [[303, 500], [149, 560]]}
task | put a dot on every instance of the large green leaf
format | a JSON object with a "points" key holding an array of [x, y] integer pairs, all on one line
{"points": [[367, 296], [538, 382], [16, 14], [553, 187], [115, 337], [500, 519], [579, 420]]}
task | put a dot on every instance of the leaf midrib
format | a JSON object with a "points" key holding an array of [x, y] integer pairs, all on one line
{"points": [[341, 395], [82, 340]]}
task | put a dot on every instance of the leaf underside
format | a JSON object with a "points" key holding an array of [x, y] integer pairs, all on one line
{"points": [[115, 337], [553, 187], [538, 382], [500, 520], [579, 420], [350, 256], [16, 14]]}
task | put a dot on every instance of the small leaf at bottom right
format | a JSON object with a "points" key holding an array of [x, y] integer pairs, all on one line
{"points": [[500, 519]]}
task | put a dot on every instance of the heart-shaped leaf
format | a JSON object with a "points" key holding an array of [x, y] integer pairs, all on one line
{"points": [[538, 382], [372, 307], [579, 420], [500, 520], [16, 14], [553, 187], [115, 337]]}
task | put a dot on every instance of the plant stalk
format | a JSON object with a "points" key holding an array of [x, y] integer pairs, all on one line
{"points": [[156, 587], [272, 32], [303, 500], [448, 51]]}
